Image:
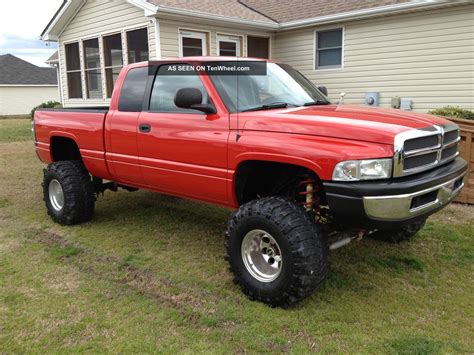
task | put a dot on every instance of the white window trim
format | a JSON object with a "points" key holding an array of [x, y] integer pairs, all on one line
{"points": [[104, 67], [125, 39], [66, 71], [315, 48], [184, 33], [238, 40], [99, 36], [99, 68]]}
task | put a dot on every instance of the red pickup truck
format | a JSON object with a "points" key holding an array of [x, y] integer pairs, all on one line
{"points": [[306, 176]]}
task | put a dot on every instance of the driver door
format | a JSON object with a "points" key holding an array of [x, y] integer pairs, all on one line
{"points": [[182, 151]]}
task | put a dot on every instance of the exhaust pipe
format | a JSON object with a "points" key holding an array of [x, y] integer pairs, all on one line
{"points": [[340, 243]]}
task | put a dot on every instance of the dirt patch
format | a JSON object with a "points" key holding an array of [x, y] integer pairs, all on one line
{"points": [[142, 281], [455, 213], [51, 238], [147, 284], [10, 245], [63, 283], [304, 337]]}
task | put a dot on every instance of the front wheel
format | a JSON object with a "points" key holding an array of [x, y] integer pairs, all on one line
{"points": [[404, 233], [276, 252], [68, 192]]}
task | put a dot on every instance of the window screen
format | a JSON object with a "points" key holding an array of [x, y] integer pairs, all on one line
{"points": [[258, 47], [329, 49], [192, 46], [92, 69], [137, 42], [227, 48], [73, 71], [113, 60]]}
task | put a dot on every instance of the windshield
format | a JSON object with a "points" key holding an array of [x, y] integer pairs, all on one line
{"points": [[282, 86]]}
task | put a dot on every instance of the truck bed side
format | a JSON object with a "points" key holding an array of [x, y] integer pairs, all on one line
{"points": [[82, 127]]}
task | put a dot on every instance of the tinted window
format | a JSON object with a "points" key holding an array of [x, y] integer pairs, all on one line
{"points": [[166, 86], [133, 90]]}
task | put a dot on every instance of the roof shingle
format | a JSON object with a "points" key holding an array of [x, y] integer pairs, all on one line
{"points": [[227, 8], [290, 10], [275, 10], [16, 71]]}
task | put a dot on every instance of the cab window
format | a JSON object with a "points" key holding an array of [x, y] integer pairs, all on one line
{"points": [[166, 85]]}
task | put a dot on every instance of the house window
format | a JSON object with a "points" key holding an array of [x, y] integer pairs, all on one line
{"points": [[258, 47], [329, 49], [137, 44], [228, 46], [113, 60], [73, 71], [192, 44], [92, 69]]}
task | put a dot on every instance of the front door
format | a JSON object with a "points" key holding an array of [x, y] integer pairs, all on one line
{"points": [[183, 152], [121, 128]]}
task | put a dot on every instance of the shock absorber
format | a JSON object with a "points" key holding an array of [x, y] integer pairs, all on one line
{"points": [[310, 193]]}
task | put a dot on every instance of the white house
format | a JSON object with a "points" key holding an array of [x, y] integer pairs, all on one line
{"points": [[418, 50], [24, 86]]}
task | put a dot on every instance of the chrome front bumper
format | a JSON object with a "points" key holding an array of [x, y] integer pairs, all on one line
{"points": [[406, 206]]}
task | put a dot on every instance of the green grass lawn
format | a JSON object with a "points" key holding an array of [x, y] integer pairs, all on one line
{"points": [[148, 275], [14, 130]]}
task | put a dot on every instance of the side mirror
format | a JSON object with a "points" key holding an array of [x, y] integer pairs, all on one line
{"points": [[191, 98], [323, 89]]}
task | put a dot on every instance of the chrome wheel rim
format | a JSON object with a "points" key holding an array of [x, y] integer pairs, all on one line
{"points": [[261, 255], [56, 195]]}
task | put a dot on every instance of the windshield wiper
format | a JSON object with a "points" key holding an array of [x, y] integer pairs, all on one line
{"points": [[317, 102], [269, 106]]}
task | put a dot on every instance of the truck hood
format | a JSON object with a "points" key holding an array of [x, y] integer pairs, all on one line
{"points": [[363, 123]]}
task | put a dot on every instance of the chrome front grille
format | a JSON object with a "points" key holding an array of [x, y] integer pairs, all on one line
{"points": [[422, 149]]}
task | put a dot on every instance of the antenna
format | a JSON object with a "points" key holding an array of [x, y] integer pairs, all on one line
{"points": [[237, 135]]}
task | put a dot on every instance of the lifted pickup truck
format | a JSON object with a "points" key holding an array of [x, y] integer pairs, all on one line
{"points": [[306, 176]]}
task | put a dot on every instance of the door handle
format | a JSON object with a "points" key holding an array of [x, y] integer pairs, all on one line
{"points": [[144, 127]]}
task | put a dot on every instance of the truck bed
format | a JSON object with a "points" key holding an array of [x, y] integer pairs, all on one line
{"points": [[83, 125]]}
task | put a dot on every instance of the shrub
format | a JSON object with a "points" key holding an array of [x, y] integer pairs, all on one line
{"points": [[455, 112], [49, 104]]}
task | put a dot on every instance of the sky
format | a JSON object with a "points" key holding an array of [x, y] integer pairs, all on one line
{"points": [[21, 24]]}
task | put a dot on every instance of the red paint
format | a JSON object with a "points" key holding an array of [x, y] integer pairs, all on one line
{"points": [[197, 155]]}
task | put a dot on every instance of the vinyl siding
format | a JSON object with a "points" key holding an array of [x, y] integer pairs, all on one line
{"points": [[424, 56], [20, 100], [169, 37], [98, 18]]}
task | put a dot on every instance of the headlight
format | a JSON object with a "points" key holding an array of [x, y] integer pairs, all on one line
{"points": [[355, 170]]}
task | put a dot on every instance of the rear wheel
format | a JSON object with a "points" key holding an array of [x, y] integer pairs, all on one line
{"points": [[398, 235], [68, 192], [276, 252]]}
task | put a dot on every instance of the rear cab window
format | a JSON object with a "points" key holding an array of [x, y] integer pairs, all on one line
{"points": [[133, 90]]}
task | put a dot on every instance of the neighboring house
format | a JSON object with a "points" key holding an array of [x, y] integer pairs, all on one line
{"points": [[24, 86], [421, 50]]}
